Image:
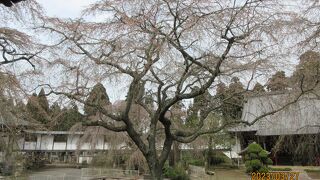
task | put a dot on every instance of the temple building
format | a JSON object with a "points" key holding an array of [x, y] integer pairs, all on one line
{"points": [[286, 122]]}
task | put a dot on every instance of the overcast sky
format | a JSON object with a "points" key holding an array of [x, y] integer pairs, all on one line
{"points": [[64, 8]]}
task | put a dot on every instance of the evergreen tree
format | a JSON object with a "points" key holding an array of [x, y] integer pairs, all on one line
{"points": [[199, 106], [221, 88], [55, 110], [38, 111], [68, 118], [98, 97], [278, 82], [307, 71], [32, 106], [258, 88], [43, 101], [232, 99], [31, 102]]}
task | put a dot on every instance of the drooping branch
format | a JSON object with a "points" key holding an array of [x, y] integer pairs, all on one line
{"points": [[11, 54]]}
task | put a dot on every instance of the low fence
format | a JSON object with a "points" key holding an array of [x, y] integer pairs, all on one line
{"points": [[55, 177], [88, 174], [101, 172]]}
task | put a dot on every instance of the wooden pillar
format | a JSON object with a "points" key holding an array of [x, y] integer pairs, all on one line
{"points": [[264, 143], [24, 141], [103, 142], [68, 135], [40, 141]]}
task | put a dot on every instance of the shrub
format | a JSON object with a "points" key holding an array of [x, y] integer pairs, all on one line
{"points": [[268, 161], [14, 165], [34, 161], [7, 170], [177, 172], [263, 154], [280, 169], [84, 163], [216, 158], [247, 157], [254, 148], [1, 166], [312, 170], [101, 160], [256, 164], [196, 162], [263, 169], [193, 158], [253, 156], [256, 159]]}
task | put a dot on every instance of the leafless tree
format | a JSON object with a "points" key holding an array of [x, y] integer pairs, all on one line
{"points": [[15, 44], [170, 50]]}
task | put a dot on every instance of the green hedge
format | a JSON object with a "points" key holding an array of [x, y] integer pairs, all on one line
{"points": [[196, 162], [280, 169], [312, 170]]}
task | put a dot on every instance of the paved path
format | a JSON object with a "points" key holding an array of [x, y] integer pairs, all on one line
{"points": [[56, 173], [231, 174], [198, 173], [303, 175]]}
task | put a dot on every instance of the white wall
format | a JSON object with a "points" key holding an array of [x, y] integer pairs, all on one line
{"points": [[46, 142], [72, 142], [20, 143], [30, 145], [84, 158], [59, 146], [100, 142]]}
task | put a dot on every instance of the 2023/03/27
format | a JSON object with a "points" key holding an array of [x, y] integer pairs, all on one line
{"points": [[275, 176]]}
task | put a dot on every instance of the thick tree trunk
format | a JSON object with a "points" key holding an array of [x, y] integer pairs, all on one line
{"points": [[9, 148], [174, 154], [156, 172], [209, 152], [154, 167], [8, 159]]}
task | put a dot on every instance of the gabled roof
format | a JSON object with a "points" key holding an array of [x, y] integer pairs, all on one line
{"points": [[98, 130], [53, 132], [302, 117]]}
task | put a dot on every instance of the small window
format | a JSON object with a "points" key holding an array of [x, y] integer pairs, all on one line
{"points": [[30, 138], [60, 138]]}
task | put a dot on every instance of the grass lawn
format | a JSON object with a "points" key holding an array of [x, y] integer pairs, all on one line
{"points": [[313, 173], [230, 174], [223, 173]]}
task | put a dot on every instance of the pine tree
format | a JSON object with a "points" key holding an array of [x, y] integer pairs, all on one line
{"points": [[39, 111]]}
